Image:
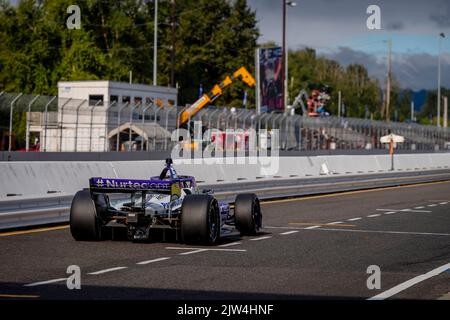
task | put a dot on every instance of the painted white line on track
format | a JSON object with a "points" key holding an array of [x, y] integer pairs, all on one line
{"points": [[389, 212], [336, 222], [373, 215], [407, 284], [107, 270], [443, 203], [154, 260], [260, 238], [206, 249], [230, 244], [414, 211], [387, 232], [403, 210], [354, 219], [432, 205], [312, 227], [192, 252], [421, 207], [34, 284], [289, 232], [364, 231]]}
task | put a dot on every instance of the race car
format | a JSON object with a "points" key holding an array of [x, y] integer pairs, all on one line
{"points": [[167, 202]]}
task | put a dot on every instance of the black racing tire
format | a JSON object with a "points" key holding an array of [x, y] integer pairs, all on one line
{"points": [[85, 225], [200, 219], [247, 214]]}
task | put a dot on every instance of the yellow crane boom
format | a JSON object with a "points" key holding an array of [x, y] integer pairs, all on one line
{"points": [[215, 92]]}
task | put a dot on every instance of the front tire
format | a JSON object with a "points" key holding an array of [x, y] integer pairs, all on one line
{"points": [[247, 214], [85, 225], [200, 219]]}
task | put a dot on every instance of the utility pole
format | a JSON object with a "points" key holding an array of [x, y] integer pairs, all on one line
{"points": [[283, 58], [388, 82], [285, 53], [155, 45], [441, 35], [172, 52], [445, 112], [339, 103], [412, 111]]}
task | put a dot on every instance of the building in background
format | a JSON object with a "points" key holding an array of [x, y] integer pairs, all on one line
{"points": [[97, 116], [102, 92]]}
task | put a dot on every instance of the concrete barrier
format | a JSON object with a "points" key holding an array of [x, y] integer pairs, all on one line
{"points": [[43, 178]]}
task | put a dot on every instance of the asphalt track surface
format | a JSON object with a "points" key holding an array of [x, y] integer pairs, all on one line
{"points": [[316, 247]]}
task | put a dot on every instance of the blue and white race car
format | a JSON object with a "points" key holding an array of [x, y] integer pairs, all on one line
{"points": [[167, 202]]}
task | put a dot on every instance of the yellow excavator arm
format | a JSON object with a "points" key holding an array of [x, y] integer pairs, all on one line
{"points": [[215, 92]]}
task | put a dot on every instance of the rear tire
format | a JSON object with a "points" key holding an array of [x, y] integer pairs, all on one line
{"points": [[85, 225], [200, 219], [247, 214]]}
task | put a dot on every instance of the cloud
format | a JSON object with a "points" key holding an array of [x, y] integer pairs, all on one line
{"points": [[442, 19], [396, 26], [413, 70]]}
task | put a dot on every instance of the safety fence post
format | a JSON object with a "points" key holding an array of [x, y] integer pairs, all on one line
{"points": [[106, 143], [11, 110], [118, 125], [46, 122], [91, 124], [27, 130]]}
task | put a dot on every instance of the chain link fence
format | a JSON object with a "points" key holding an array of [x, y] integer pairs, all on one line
{"points": [[48, 123]]}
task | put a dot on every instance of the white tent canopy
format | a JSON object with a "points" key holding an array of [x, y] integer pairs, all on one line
{"points": [[392, 137], [146, 131]]}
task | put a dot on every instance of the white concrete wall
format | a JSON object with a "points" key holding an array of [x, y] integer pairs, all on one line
{"points": [[38, 178]]}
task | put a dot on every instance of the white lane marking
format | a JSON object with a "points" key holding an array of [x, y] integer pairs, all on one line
{"points": [[107, 270], [260, 238], [230, 244], [403, 210], [205, 249], [192, 252], [354, 219], [443, 203], [373, 215], [336, 222], [389, 212], [44, 282], [154, 260], [312, 227], [421, 207], [407, 284], [387, 232], [362, 231], [432, 205], [289, 232]]}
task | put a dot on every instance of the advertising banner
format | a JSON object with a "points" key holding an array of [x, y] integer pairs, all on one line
{"points": [[270, 82]]}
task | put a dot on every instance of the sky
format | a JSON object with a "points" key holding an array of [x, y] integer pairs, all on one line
{"points": [[337, 29]]}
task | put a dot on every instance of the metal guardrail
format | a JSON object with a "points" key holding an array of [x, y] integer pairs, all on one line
{"points": [[72, 125], [31, 211]]}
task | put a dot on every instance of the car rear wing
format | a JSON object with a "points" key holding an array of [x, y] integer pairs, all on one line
{"points": [[109, 185]]}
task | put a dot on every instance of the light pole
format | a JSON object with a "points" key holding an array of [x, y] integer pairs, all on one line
{"points": [[284, 59], [388, 80], [155, 44], [172, 51], [441, 35]]}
